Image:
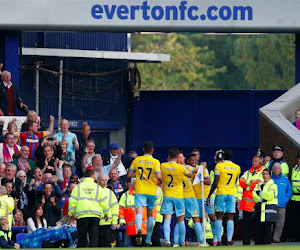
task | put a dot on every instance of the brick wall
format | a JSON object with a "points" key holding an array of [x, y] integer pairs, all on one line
{"points": [[269, 135]]}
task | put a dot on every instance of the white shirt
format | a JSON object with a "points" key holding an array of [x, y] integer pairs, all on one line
{"points": [[7, 85], [31, 227], [121, 169], [11, 151]]}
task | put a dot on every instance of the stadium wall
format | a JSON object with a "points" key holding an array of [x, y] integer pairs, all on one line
{"points": [[207, 120]]}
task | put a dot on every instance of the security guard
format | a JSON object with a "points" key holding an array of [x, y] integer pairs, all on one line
{"points": [[106, 226], [7, 206], [265, 194], [88, 202], [277, 153], [252, 177], [155, 238], [293, 208]]}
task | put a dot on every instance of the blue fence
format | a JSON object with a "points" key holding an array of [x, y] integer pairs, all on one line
{"points": [[207, 120]]}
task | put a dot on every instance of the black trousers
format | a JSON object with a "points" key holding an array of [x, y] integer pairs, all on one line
{"points": [[293, 220], [105, 236], [155, 238], [247, 226], [89, 225], [263, 231]]}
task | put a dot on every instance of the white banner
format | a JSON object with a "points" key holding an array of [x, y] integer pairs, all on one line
{"points": [[19, 121], [152, 15], [199, 176]]}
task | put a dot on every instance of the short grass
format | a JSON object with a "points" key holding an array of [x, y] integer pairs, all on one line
{"points": [[267, 247]]}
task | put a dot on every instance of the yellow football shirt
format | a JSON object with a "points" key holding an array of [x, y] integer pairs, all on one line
{"points": [[228, 172], [198, 189], [145, 168], [187, 185], [172, 174]]}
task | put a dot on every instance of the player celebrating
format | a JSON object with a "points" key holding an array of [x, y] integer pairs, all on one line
{"points": [[226, 175], [172, 174], [190, 201], [147, 171]]}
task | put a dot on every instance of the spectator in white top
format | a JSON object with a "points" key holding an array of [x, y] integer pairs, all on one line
{"points": [[89, 153], [37, 220], [124, 164]]}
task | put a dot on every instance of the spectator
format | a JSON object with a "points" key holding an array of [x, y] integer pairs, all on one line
{"points": [[267, 159], [284, 194], [132, 154], [18, 219], [25, 164], [89, 153], [116, 184], [51, 205], [10, 176], [74, 178], [9, 97], [32, 116], [24, 189], [49, 163], [8, 148], [66, 178], [278, 157], [106, 226], [2, 171], [124, 163], [37, 220], [51, 179], [33, 185], [265, 194], [98, 164], [5, 241], [252, 177], [32, 137], [84, 137], [64, 200], [297, 117], [66, 156], [65, 134], [48, 141]]}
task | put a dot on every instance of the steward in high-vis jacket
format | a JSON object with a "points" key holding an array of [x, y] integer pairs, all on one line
{"points": [[155, 238], [249, 179], [277, 152], [7, 206], [293, 207], [265, 194], [106, 226], [127, 214], [88, 202]]}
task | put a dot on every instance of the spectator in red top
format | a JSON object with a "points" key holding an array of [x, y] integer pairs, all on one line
{"points": [[32, 137], [10, 97]]}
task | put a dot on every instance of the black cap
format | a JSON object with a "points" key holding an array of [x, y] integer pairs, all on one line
{"points": [[277, 147], [260, 153], [298, 155], [220, 155]]}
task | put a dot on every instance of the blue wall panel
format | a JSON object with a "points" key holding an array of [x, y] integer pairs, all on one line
{"points": [[207, 120]]}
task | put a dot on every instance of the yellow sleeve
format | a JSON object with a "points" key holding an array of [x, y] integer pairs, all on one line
{"points": [[205, 173], [114, 209], [217, 170], [73, 200], [133, 165]]}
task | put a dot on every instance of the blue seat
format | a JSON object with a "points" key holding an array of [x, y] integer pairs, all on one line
{"points": [[20, 236]]}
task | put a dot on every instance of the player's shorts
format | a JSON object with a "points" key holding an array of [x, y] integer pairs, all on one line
{"points": [[170, 204], [225, 203], [145, 200], [210, 209], [191, 207]]}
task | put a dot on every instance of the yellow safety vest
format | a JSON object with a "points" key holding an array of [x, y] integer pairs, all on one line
{"points": [[113, 214], [88, 199], [295, 181], [158, 203], [267, 196]]}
